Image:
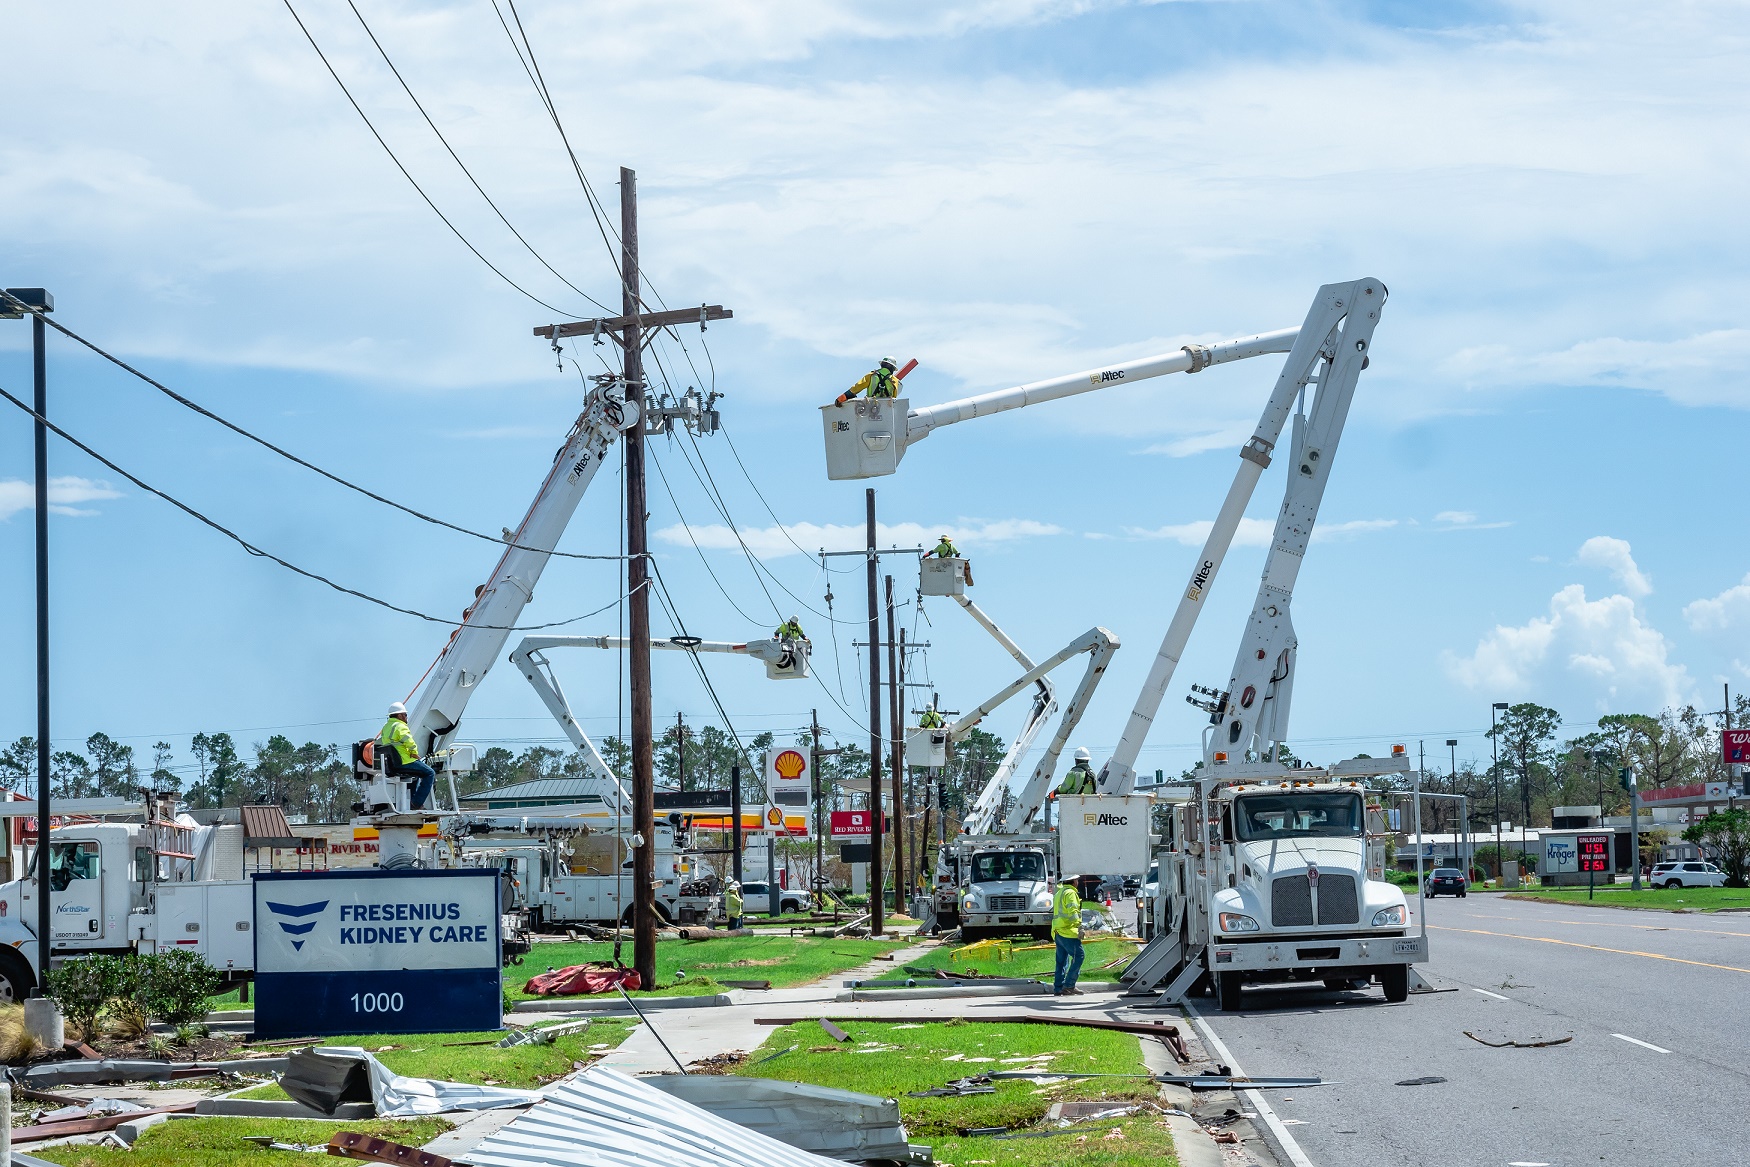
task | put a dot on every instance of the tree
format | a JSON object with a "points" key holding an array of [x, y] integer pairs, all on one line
{"points": [[1524, 733], [1725, 836], [18, 765], [220, 769], [112, 766], [163, 777], [70, 775]]}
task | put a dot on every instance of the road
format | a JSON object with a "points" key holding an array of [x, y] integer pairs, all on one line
{"points": [[1625, 986]]}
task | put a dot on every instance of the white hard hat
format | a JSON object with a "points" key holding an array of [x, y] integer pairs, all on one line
{"points": [[1082, 754], [397, 708], [795, 619]]}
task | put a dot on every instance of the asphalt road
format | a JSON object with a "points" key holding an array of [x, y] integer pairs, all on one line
{"points": [[1527, 972]]}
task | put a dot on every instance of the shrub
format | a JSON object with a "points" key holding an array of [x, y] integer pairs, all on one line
{"points": [[83, 987], [176, 984]]}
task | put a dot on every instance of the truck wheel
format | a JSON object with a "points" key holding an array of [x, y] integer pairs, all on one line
{"points": [[16, 979], [1395, 980], [1227, 987]]}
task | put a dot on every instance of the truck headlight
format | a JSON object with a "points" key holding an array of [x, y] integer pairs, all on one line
{"points": [[1235, 922], [1385, 917]]}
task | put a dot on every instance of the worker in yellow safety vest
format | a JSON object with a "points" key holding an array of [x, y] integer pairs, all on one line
{"points": [[945, 549], [881, 381], [1080, 779], [788, 634], [930, 719], [732, 903], [1066, 931], [396, 736]]}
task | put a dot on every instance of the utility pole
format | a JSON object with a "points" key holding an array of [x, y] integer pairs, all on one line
{"points": [[680, 748], [1495, 744], [896, 748], [638, 590], [875, 825], [1634, 819], [1464, 810], [735, 820], [814, 777], [17, 301]]}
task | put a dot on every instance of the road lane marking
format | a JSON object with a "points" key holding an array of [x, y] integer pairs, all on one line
{"points": [[1486, 993], [1608, 924], [1642, 1044], [1593, 947], [1296, 1156]]}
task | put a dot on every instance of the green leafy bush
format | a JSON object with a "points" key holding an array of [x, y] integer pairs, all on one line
{"points": [[176, 984], [83, 987]]}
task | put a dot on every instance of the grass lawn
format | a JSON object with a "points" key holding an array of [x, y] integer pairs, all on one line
{"points": [[892, 1060], [784, 960], [218, 1142], [434, 1055], [1692, 899], [1031, 958]]}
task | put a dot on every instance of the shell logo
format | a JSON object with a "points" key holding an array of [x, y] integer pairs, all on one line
{"points": [[775, 817], [790, 764]]}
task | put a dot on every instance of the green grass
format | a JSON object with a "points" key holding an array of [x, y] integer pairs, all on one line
{"points": [[1028, 961], [786, 961], [1692, 899], [218, 1142], [902, 1059], [432, 1055]]}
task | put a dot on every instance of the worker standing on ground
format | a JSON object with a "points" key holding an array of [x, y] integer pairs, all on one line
{"points": [[732, 904], [945, 549], [880, 381], [1066, 930], [396, 736], [1080, 779]]}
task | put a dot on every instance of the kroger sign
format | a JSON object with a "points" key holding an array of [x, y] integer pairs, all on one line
{"points": [[403, 952]]}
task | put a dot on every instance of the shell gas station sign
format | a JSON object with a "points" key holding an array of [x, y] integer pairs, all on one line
{"points": [[789, 791]]}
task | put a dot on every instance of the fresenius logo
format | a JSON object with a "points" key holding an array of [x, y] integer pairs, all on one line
{"points": [[297, 912]]}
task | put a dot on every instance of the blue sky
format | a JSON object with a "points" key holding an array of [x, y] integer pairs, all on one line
{"points": [[1536, 499]]}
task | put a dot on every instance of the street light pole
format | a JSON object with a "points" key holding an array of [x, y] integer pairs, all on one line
{"points": [[1634, 819], [1495, 744], [1464, 820]]}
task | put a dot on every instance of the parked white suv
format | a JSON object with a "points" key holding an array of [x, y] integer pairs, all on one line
{"points": [[1692, 873]]}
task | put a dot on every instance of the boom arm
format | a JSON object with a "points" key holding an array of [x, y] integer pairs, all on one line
{"points": [[474, 646]]}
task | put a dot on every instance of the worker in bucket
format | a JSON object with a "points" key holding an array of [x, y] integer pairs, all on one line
{"points": [[1066, 931], [788, 634], [1080, 779], [732, 903], [881, 381], [930, 719], [945, 549], [396, 736]]}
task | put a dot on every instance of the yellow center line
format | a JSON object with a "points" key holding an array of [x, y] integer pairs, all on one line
{"points": [[1602, 924], [1594, 947]]}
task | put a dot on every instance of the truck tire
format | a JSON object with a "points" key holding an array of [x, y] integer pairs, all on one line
{"points": [[1395, 980], [1227, 988], [16, 978]]}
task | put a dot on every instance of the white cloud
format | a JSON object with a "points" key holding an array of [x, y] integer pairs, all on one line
{"points": [[1614, 556], [1201, 443], [1351, 528], [18, 495], [1465, 521], [1602, 647], [1251, 533], [1708, 368], [776, 542], [1730, 609]]}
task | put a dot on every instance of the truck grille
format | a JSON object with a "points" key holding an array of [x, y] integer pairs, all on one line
{"points": [[1337, 903], [1291, 902], [1007, 903]]}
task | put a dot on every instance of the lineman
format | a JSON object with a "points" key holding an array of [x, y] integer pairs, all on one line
{"points": [[788, 634], [1080, 779], [1066, 932], [732, 903], [396, 736], [879, 381], [930, 719], [945, 549]]}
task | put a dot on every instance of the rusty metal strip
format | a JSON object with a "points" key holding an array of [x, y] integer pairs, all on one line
{"points": [[352, 1145]]}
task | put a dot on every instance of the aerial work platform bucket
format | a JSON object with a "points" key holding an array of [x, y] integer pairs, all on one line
{"points": [[942, 577], [864, 439], [772, 652], [926, 747]]}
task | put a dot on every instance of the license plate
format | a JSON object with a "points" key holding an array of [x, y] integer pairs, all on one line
{"points": [[1398, 946]]}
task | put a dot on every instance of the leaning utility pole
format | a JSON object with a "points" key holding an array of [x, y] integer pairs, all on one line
{"points": [[638, 591], [814, 779], [875, 824], [896, 749]]}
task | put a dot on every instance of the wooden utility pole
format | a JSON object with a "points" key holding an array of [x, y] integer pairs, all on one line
{"points": [[814, 778], [896, 749], [638, 589], [875, 825]]}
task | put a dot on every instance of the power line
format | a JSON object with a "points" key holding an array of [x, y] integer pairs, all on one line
{"points": [[259, 552], [454, 230], [470, 174], [284, 453]]}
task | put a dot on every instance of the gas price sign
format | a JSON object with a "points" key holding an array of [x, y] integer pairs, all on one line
{"points": [[376, 952], [1594, 852]]}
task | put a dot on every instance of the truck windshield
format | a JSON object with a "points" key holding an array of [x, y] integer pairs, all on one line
{"points": [[1298, 816], [995, 865]]}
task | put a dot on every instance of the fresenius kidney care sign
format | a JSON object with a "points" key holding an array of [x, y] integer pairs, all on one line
{"points": [[376, 952]]}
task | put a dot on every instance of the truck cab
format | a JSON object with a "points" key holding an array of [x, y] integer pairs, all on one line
{"points": [[1002, 888]]}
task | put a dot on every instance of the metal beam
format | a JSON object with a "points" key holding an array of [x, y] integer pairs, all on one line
{"points": [[700, 315]]}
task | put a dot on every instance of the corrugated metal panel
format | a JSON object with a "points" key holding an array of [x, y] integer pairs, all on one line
{"points": [[265, 822], [568, 788], [603, 1118], [840, 1123]]}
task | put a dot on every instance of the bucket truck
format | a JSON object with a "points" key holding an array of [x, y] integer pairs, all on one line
{"points": [[1240, 875], [990, 878]]}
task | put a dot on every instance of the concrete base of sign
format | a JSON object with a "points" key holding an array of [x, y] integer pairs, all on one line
{"points": [[43, 1021], [269, 1108], [617, 1004]]}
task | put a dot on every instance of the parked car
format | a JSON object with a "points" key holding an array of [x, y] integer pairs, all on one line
{"points": [[1445, 881], [756, 898], [1691, 873]]}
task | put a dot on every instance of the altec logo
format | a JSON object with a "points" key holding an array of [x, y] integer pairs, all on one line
{"points": [[1105, 820], [297, 912], [1105, 376], [1201, 579]]}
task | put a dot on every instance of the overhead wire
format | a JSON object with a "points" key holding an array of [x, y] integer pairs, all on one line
{"points": [[203, 411], [268, 555], [417, 104], [399, 165]]}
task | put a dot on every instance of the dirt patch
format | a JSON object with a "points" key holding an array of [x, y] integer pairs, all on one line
{"points": [[719, 1064], [742, 963]]}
